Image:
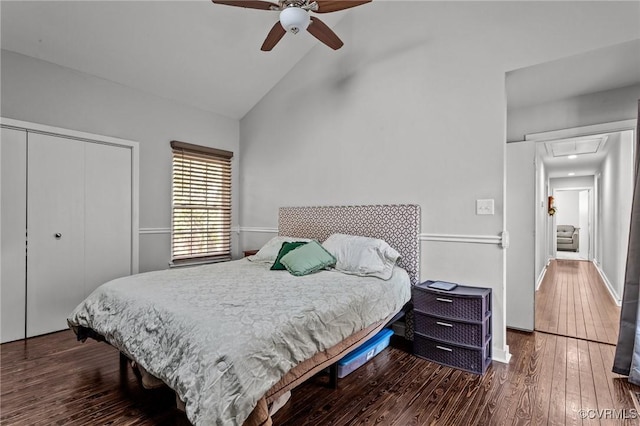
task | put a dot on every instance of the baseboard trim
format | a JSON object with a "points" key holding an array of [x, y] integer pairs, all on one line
{"points": [[501, 355], [607, 284], [542, 274]]}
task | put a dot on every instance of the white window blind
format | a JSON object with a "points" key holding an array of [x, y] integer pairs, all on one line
{"points": [[201, 203]]}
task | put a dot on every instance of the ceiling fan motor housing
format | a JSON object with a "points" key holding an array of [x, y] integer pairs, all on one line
{"points": [[294, 19]]}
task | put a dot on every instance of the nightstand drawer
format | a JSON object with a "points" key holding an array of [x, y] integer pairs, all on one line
{"points": [[472, 360], [446, 330], [453, 304]]}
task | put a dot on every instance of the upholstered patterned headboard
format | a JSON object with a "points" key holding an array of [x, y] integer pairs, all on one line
{"points": [[398, 225]]}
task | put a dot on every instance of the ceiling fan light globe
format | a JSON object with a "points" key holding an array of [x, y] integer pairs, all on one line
{"points": [[294, 19]]}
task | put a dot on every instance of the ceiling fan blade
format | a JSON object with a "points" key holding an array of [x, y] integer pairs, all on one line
{"points": [[325, 6], [319, 30], [250, 4], [274, 36]]}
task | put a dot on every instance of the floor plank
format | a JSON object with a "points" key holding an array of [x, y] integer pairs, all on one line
{"points": [[573, 401], [557, 407], [55, 380], [587, 386], [573, 301], [545, 380]]}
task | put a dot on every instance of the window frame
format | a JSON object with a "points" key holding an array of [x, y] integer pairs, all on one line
{"points": [[186, 153]]}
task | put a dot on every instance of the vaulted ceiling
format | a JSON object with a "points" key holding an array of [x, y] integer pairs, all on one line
{"points": [[194, 52], [208, 55]]}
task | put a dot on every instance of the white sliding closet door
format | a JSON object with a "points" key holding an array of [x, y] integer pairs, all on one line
{"points": [[55, 223], [13, 168], [69, 222], [108, 202]]}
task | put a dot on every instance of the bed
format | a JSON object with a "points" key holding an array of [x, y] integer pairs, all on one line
{"points": [[232, 338]]}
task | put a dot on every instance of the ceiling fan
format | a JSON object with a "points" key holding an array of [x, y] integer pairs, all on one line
{"points": [[294, 17]]}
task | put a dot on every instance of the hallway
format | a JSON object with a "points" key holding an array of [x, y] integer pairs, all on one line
{"points": [[573, 301]]}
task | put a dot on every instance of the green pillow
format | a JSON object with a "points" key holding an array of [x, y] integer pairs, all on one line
{"points": [[307, 259], [286, 248]]}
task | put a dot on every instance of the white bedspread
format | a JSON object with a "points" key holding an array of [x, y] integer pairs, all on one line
{"points": [[222, 335]]}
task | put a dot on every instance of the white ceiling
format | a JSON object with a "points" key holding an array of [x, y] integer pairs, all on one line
{"points": [[603, 69], [194, 52], [574, 147], [590, 153], [208, 56]]}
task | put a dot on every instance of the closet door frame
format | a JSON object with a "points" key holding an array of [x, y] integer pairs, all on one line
{"points": [[93, 138], [13, 260]]}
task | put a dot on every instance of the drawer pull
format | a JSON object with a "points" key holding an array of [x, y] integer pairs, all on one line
{"points": [[440, 299], [444, 324], [442, 348]]}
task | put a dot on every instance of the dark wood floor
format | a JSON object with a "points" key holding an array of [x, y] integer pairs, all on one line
{"points": [[55, 380], [573, 301]]}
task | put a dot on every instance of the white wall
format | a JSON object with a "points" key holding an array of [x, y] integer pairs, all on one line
{"points": [[600, 107], [521, 201], [571, 182], [44, 93], [584, 207], [412, 109], [568, 208], [616, 192], [542, 226]]}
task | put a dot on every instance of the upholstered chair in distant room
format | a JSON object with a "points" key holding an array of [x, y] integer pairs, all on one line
{"points": [[568, 238]]}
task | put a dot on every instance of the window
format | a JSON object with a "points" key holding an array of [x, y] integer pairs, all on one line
{"points": [[201, 203]]}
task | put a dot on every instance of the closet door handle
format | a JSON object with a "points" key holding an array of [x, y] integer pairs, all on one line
{"points": [[58, 235]]}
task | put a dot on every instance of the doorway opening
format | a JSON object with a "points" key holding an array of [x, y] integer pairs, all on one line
{"points": [[590, 180], [572, 222]]}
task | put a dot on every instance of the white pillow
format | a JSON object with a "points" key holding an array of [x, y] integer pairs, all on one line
{"points": [[362, 256], [269, 252]]}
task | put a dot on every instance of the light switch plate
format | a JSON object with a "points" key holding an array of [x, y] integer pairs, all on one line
{"points": [[484, 206]]}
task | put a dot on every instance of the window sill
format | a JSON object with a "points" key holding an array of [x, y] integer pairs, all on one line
{"points": [[195, 262]]}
